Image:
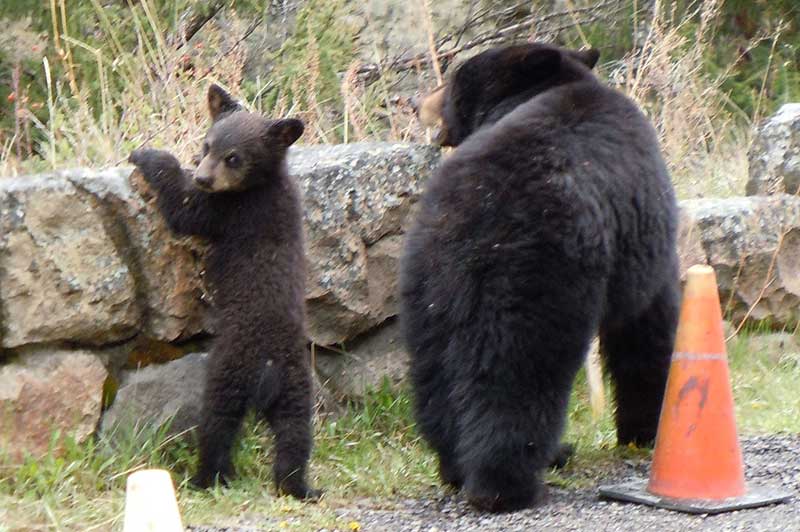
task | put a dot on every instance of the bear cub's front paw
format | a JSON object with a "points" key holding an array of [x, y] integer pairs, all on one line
{"points": [[153, 164]]}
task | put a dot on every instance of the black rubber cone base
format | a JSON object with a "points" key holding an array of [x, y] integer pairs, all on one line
{"points": [[636, 491]]}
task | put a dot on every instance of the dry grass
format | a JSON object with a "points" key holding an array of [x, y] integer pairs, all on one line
{"points": [[706, 152], [162, 103]]}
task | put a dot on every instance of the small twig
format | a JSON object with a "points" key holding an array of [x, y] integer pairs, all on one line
{"points": [[197, 18], [757, 112], [465, 25], [426, 17], [735, 282], [15, 74], [150, 137], [399, 64], [233, 47], [767, 284], [572, 11]]}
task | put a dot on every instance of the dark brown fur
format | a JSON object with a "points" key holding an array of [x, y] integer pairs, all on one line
{"points": [[251, 215]]}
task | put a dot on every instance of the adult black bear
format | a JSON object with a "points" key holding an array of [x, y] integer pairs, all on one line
{"points": [[553, 219], [242, 200]]}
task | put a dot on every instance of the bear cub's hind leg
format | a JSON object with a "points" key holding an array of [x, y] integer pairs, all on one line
{"points": [[290, 418], [224, 412]]}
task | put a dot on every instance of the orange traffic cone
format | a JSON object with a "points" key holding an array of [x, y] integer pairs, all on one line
{"points": [[697, 452], [697, 464]]}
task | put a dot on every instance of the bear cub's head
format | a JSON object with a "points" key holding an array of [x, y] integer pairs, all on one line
{"points": [[491, 84], [241, 150]]}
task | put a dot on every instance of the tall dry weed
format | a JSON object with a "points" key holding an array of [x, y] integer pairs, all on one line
{"points": [[666, 77], [150, 94]]}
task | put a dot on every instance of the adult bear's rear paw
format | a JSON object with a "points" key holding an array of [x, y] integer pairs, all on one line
{"points": [[499, 492], [562, 455], [509, 501], [450, 473]]}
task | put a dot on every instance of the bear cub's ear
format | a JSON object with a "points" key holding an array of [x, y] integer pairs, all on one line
{"points": [[284, 131], [220, 102]]}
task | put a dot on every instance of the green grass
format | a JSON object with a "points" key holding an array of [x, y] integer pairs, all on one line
{"points": [[372, 451], [765, 386]]}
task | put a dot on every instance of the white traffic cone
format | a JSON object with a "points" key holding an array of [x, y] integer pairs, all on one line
{"points": [[150, 504]]}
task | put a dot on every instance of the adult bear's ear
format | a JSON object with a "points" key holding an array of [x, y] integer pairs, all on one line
{"points": [[588, 57], [430, 109], [285, 131], [540, 62], [220, 102]]}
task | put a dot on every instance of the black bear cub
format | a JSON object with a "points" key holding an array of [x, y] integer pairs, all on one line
{"points": [[554, 219], [242, 200]]}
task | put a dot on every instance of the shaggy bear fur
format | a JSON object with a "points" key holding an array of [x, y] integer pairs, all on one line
{"points": [[243, 202], [553, 219]]}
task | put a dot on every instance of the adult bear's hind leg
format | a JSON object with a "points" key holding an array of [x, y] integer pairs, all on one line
{"points": [[427, 337], [435, 415], [637, 355], [507, 439], [514, 411]]}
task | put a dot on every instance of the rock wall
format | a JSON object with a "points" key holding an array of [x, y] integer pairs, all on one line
{"points": [[83, 260], [357, 197], [753, 243], [89, 268], [93, 286]]}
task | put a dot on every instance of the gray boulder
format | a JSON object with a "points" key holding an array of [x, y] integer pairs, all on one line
{"points": [[85, 257], [377, 355], [774, 155], [166, 268], [151, 396]]}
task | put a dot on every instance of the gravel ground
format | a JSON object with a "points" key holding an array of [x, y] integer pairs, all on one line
{"points": [[772, 461]]}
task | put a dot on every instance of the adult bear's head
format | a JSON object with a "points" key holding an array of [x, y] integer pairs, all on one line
{"points": [[242, 150], [491, 84]]}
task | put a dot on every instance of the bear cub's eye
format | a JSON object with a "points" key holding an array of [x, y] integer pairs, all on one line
{"points": [[232, 160]]}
